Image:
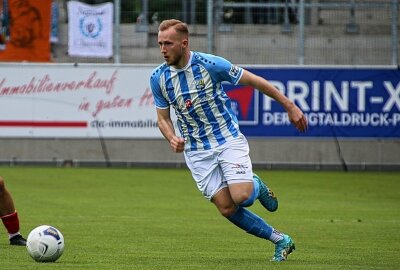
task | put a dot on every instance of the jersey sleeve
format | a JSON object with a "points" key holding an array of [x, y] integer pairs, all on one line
{"points": [[225, 70], [159, 98]]}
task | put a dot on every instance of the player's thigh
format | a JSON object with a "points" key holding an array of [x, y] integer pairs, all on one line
{"points": [[205, 171]]}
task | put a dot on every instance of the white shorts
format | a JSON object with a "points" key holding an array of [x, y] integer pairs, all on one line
{"points": [[217, 168]]}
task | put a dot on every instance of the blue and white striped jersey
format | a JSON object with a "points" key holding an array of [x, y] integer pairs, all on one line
{"points": [[205, 116]]}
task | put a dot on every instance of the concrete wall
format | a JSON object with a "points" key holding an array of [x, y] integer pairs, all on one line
{"points": [[315, 154], [255, 44]]}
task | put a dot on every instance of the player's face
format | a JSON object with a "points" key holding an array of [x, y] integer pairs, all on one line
{"points": [[172, 46]]}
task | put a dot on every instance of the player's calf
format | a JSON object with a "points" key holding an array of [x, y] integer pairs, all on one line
{"points": [[266, 196]]}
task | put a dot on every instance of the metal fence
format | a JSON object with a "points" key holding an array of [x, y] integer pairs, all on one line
{"points": [[271, 32]]}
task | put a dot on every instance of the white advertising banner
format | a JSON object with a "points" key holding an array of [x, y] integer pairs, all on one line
{"points": [[90, 29], [84, 101]]}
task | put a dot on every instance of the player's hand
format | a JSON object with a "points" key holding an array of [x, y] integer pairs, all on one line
{"points": [[177, 144], [297, 118]]}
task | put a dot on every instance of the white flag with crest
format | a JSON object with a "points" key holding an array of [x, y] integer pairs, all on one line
{"points": [[90, 29]]}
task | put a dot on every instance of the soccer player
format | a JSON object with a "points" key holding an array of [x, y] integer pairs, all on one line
{"points": [[9, 216], [215, 150]]}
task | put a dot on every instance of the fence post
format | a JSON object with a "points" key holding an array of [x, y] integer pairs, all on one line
{"points": [[185, 14], [117, 36], [247, 14], [301, 32], [210, 24], [193, 12], [395, 8]]}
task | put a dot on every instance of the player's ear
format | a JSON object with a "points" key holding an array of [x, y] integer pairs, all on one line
{"points": [[185, 43]]}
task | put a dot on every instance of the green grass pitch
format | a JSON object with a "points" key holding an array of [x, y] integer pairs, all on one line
{"points": [[156, 219]]}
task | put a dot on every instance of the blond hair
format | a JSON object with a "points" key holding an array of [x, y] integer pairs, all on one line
{"points": [[179, 26]]}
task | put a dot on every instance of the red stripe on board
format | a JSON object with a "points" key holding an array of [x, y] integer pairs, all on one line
{"points": [[44, 124]]}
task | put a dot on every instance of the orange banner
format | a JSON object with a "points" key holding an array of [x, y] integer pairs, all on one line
{"points": [[29, 31]]}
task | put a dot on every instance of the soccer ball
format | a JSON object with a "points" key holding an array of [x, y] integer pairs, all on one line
{"points": [[45, 244]]}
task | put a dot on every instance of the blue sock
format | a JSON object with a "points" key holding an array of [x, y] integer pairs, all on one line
{"points": [[253, 196], [251, 223]]}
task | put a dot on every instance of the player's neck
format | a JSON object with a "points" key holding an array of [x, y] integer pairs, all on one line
{"points": [[184, 60]]}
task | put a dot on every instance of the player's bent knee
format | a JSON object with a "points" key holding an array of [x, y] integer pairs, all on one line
{"points": [[243, 194], [241, 197], [246, 200]]}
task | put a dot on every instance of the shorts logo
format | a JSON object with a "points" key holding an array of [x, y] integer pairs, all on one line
{"points": [[240, 169], [234, 71]]}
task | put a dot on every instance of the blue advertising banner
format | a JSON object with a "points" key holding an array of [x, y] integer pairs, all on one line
{"points": [[338, 102]]}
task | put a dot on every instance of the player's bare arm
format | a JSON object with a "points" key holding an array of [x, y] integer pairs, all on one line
{"points": [[296, 116], [167, 129]]}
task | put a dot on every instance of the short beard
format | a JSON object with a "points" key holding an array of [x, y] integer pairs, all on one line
{"points": [[177, 60]]}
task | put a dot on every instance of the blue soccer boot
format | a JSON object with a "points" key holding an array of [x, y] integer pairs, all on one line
{"points": [[283, 248]]}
